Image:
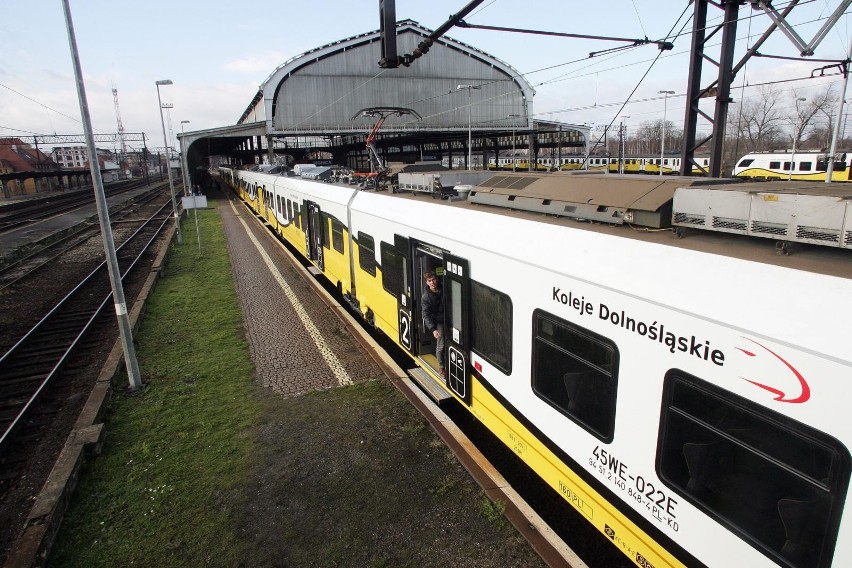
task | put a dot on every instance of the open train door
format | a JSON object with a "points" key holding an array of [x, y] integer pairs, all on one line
{"points": [[457, 324], [314, 232]]}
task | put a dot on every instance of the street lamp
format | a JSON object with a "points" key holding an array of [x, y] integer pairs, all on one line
{"points": [[513, 139], [168, 164], [469, 132], [795, 137], [183, 160], [663, 141]]}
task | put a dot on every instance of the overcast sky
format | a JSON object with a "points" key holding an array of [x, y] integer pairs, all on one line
{"points": [[218, 52]]}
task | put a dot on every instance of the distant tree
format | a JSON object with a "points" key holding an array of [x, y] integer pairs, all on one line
{"points": [[757, 124]]}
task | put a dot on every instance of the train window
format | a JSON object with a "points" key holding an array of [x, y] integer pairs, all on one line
{"points": [[774, 165], [786, 167], [575, 371], [777, 483], [491, 329], [393, 269], [806, 166], [367, 252], [289, 213], [337, 235], [297, 215], [745, 163], [324, 229]]}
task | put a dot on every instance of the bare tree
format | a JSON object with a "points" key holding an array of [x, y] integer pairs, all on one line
{"points": [[757, 125]]}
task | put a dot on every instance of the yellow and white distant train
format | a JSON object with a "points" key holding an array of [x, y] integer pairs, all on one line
{"points": [[632, 164], [688, 397], [807, 166]]}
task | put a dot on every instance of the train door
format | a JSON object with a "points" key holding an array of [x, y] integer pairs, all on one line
{"points": [[398, 277], [314, 231], [457, 324], [453, 276]]}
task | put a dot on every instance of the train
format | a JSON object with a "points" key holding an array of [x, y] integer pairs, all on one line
{"points": [[686, 397], [807, 166], [632, 164]]}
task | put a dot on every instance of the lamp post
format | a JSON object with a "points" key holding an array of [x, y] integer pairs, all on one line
{"points": [[125, 331], [795, 137], [183, 165], [168, 164], [663, 139], [469, 127], [513, 139], [622, 134]]}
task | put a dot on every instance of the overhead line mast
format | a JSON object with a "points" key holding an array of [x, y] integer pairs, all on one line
{"points": [[123, 146]]}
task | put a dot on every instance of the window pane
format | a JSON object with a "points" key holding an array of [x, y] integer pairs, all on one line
{"points": [[491, 333], [393, 270], [367, 253], [337, 235], [575, 371], [765, 476]]}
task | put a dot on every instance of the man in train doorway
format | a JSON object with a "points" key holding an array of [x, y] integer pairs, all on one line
{"points": [[433, 315]]}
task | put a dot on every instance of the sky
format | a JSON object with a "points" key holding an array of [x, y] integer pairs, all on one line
{"points": [[219, 52]]}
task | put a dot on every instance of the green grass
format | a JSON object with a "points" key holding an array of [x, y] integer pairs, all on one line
{"points": [[154, 497]]}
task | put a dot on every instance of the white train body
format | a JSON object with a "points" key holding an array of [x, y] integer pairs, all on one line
{"points": [[801, 166], [690, 404]]}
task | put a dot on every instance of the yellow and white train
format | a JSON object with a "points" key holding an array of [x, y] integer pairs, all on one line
{"points": [[806, 166], [631, 164], [688, 397]]}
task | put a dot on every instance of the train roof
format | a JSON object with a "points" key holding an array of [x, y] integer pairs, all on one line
{"points": [[639, 191]]}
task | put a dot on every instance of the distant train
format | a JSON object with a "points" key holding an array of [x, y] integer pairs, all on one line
{"points": [[808, 166], [687, 397], [632, 164]]}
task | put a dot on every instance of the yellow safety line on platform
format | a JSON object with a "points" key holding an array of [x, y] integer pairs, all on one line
{"points": [[327, 354]]}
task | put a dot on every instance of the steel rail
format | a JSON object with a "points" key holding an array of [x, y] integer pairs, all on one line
{"points": [[7, 434]]}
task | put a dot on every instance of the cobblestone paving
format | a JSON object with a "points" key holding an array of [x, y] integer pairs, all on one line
{"points": [[286, 354]]}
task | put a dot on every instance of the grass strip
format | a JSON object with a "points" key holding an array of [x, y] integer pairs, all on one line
{"points": [[151, 497]]}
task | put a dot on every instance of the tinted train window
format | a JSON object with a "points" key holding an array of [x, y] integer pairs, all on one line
{"points": [[777, 483], [575, 371], [774, 165], [491, 329], [806, 166], [393, 270], [745, 163], [367, 252], [324, 229], [337, 235]]}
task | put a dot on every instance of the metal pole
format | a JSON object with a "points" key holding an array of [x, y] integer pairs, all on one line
{"points": [[469, 134], [125, 330], [168, 164], [663, 140], [183, 163], [829, 170], [795, 138]]}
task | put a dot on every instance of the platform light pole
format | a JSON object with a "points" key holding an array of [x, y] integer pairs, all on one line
{"points": [[183, 165], [125, 330], [622, 134], [514, 164], [663, 139], [168, 161], [795, 137], [469, 125]]}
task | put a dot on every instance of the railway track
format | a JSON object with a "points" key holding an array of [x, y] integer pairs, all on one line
{"points": [[27, 264], [37, 380]]}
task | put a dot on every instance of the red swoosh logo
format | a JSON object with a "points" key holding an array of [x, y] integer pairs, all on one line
{"points": [[806, 389]]}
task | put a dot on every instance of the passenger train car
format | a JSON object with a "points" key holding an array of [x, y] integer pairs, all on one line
{"points": [[632, 164], [810, 166], [687, 397]]}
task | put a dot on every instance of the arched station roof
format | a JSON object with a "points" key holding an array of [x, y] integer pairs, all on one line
{"points": [[320, 91]]}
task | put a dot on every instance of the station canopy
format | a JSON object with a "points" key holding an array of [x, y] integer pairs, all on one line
{"points": [[322, 91]]}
